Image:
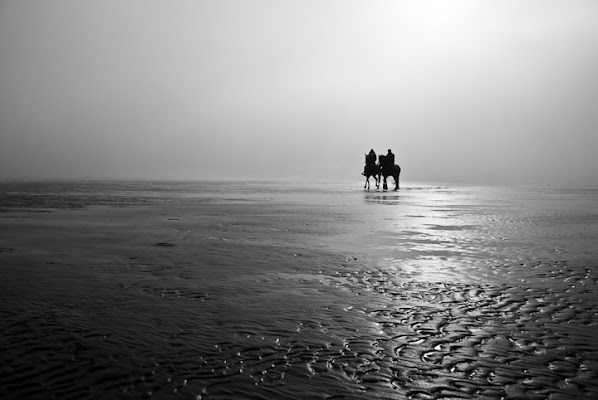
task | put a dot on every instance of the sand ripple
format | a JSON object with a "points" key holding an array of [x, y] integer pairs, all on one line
{"points": [[378, 335]]}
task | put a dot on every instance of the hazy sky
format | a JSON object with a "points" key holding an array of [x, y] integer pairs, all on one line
{"points": [[497, 91]]}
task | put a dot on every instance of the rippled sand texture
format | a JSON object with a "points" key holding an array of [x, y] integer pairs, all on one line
{"points": [[313, 292]]}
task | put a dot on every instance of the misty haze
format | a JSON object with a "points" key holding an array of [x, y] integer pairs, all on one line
{"points": [[493, 92]]}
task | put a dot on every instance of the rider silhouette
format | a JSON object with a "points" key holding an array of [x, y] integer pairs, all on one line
{"points": [[370, 159], [372, 156], [390, 159]]}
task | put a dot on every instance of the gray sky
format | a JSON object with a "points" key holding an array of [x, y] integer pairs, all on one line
{"points": [[495, 91]]}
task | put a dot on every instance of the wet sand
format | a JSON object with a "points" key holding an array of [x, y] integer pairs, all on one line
{"points": [[131, 297]]}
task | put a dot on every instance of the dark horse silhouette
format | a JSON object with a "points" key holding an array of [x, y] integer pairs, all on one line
{"points": [[371, 169], [387, 170]]}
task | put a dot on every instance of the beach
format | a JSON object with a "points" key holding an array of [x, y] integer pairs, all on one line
{"points": [[268, 290]]}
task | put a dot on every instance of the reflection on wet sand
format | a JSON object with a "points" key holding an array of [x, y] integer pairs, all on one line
{"points": [[374, 197]]}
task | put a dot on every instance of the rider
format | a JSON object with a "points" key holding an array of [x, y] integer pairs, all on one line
{"points": [[372, 156], [370, 159], [390, 158]]}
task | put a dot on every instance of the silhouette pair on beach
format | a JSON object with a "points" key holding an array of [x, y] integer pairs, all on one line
{"points": [[382, 169]]}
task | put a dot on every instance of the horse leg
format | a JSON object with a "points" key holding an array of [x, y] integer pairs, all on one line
{"points": [[397, 178], [385, 186], [367, 183]]}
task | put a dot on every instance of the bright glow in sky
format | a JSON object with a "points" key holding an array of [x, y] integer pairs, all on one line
{"points": [[495, 91]]}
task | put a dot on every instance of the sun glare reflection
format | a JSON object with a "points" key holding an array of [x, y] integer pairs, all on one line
{"points": [[429, 235]]}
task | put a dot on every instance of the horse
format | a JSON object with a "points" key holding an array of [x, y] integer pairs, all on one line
{"points": [[371, 169], [389, 170]]}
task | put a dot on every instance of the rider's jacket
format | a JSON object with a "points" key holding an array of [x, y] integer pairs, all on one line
{"points": [[372, 157]]}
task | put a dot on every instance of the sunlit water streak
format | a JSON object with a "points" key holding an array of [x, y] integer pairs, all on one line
{"points": [[297, 290]]}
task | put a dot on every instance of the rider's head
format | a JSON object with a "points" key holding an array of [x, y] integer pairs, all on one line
{"points": [[389, 151]]}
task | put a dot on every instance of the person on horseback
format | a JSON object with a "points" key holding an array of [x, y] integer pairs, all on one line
{"points": [[390, 159], [389, 168], [372, 156], [370, 159]]}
